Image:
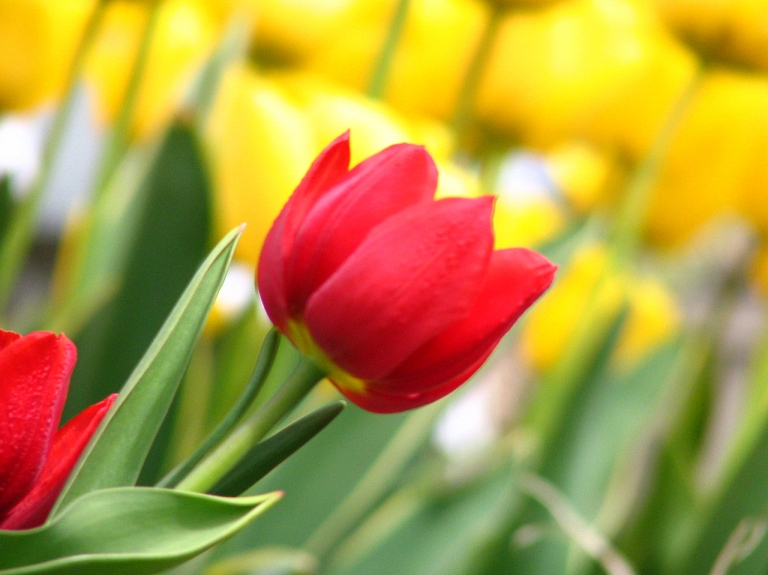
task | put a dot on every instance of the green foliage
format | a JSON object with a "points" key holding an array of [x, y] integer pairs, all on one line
{"points": [[116, 454], [127, 531]]}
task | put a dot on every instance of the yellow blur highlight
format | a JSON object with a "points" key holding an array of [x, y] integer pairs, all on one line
{"points": [[717, 161], [261, 144], [266, 130], [38, 40], [604, 70], [526, 224], [728, 30], [183, 39], [433, 55], [652, 315], [582, 173]]}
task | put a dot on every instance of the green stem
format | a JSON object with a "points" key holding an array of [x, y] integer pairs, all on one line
{"points": [[18, 236], [636, 198], [380, 75], [255, 384], [208, 472], [120, 133], [465, 102]]}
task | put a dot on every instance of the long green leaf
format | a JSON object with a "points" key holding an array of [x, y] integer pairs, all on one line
{"points": [[128, 531], [117, 452], [270, 453]]}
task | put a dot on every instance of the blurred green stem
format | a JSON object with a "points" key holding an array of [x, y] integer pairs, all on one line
{"points": [[380, 75], [376, 482], [465, 102], [255, 384], [120, 133], [211, 469], [18, 236], [636, 198]]}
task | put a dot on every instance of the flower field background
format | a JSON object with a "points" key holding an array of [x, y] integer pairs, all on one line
{"points": [[620, 427]]}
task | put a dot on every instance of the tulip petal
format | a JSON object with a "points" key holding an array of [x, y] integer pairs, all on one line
{"points": [[376, 189], [68, 444], [413, 276], [515, 279], [270, 275], [329, 167], [35, 377], [7, 338], [376, 399]]}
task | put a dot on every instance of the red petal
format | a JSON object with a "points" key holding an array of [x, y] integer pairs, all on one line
{"points": [[515, 279], [380, 187], [7, 338], [69, 443], [35, 376], [330, 166], [412, 277], [270, 275], [378, 400]]}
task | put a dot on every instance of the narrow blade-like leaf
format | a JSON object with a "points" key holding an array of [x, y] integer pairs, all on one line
{"points": [[118, 450], [268, 454]]}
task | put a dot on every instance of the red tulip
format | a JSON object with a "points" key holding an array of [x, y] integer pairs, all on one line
{"points": [[35, 458], [400, 297]]}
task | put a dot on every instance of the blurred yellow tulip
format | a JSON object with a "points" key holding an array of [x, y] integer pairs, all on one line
{"points": [[717, 160], [266, 130], [584, 174], [38, 40], [652, 318], [183, 37], [604, 70], [428, 69], [730, 30], [525, 224], [261, 144]]}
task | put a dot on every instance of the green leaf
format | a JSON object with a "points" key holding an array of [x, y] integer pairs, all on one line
{"points": [[267, 561], [128, 531], [6, 204], [270, 453], [117, 452], [144, 251]]}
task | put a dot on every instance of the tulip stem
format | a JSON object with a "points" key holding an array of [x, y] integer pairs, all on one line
{"points": [[380, 74], [255, 384], [119, 135], [216, 465], [465, 101], [636, 197], [18, 236]]}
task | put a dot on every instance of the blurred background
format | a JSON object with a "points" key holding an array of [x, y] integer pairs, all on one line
{"points": [[622, 427]]}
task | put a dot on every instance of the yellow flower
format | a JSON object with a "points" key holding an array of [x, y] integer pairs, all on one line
{"points": [[261, 144], [182, 40], [38, 39], [525, 224], [265, 132], [725, 29], [717, 159], [434, 52], [582, 173], [652, 316], [604, 70]]}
